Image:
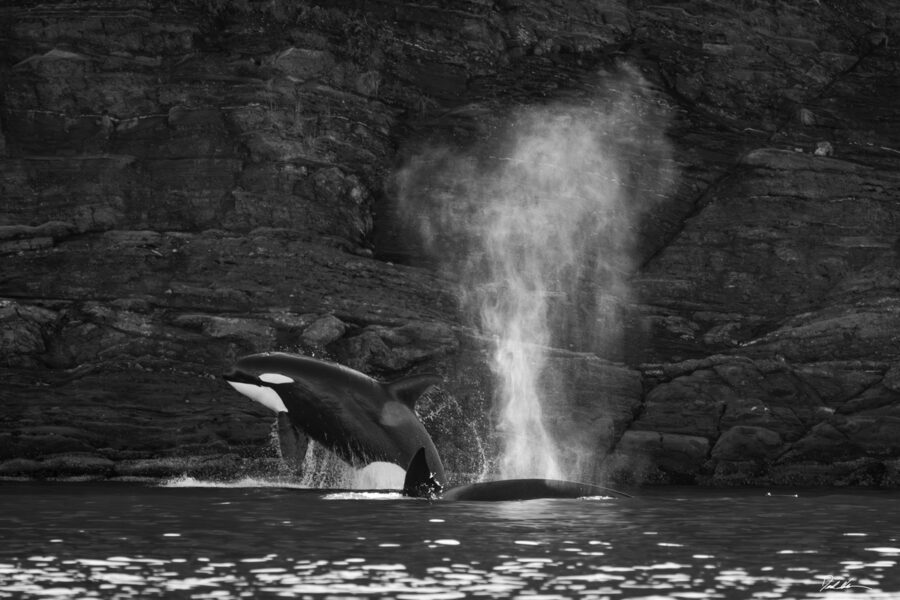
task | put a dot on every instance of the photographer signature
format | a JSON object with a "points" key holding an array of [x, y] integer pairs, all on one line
{"points": [[837, 583]]}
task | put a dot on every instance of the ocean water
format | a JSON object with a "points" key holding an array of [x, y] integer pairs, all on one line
{"points": [[258, 539]]}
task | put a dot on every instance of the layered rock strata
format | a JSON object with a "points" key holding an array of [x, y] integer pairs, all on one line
{"points": [[183, 183]]}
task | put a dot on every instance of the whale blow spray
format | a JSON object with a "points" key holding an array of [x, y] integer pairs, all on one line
{"points": [[546, 216]]}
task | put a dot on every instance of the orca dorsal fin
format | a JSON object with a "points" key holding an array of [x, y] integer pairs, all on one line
{"points": [[420, 481], [408, 389]]}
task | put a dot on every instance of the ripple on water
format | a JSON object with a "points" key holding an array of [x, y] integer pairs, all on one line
{"points": [[260, 543], [355, 576]]}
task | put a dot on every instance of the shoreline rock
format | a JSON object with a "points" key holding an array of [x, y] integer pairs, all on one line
{"points": [[183, 185]]}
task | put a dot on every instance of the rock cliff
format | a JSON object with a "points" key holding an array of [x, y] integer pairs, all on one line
{"points": [[183, 183]]}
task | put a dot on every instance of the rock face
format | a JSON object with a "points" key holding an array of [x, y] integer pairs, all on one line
{"points": [[183, 183]]}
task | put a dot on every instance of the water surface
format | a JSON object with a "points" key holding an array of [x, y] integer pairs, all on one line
{"points": [[130, 540]]}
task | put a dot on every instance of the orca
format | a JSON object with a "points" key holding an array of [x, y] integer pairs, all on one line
{"points": [[365, 421], [353, 415], [422, 482]]}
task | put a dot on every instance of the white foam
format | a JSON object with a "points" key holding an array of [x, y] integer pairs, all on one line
{"points": [[186, 481], [322, 470], [364, 496]]}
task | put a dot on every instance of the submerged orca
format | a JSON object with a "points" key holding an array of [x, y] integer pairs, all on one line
{"points": [[356, 417], [422, 482]]}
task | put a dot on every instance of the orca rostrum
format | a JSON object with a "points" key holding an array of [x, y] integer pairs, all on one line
{"points": [[355, 416]]}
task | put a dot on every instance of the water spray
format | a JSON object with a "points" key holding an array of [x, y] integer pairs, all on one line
{"points": [[547, 221]]}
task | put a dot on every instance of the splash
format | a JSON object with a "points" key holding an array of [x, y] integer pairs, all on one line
{"points": [[322, 469], [370, 495], [319, 468], [187, 481], [547, 219], [325, 470]]}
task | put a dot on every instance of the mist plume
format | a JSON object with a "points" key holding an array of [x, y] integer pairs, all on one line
{"points": [[538, 226]]}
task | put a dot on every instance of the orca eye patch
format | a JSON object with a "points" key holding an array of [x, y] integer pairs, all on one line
{"points": [[275, 378]]}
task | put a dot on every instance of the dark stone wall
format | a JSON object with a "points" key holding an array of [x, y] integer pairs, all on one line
{"points": [[183, 183]]}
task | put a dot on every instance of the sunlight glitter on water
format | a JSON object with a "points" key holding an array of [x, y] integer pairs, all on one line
{"points": [[95, 578], [110, 542]]}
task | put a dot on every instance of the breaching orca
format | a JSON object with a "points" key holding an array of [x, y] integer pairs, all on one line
{"points": [[356, 417], [364, 421], [422, 482]]}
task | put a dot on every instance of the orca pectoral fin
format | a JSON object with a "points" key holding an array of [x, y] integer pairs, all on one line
{"points": [[420, 481], [292, 442], [408, 389]]}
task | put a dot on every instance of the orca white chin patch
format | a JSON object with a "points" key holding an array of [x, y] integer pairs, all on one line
{"points": [[275, 378], [262, 394]]}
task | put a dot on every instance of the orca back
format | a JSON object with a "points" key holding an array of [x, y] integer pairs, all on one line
{"points": [[527, 489]]}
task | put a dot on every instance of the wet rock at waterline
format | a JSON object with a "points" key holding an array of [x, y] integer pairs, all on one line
{"points": [[180, 188]]}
